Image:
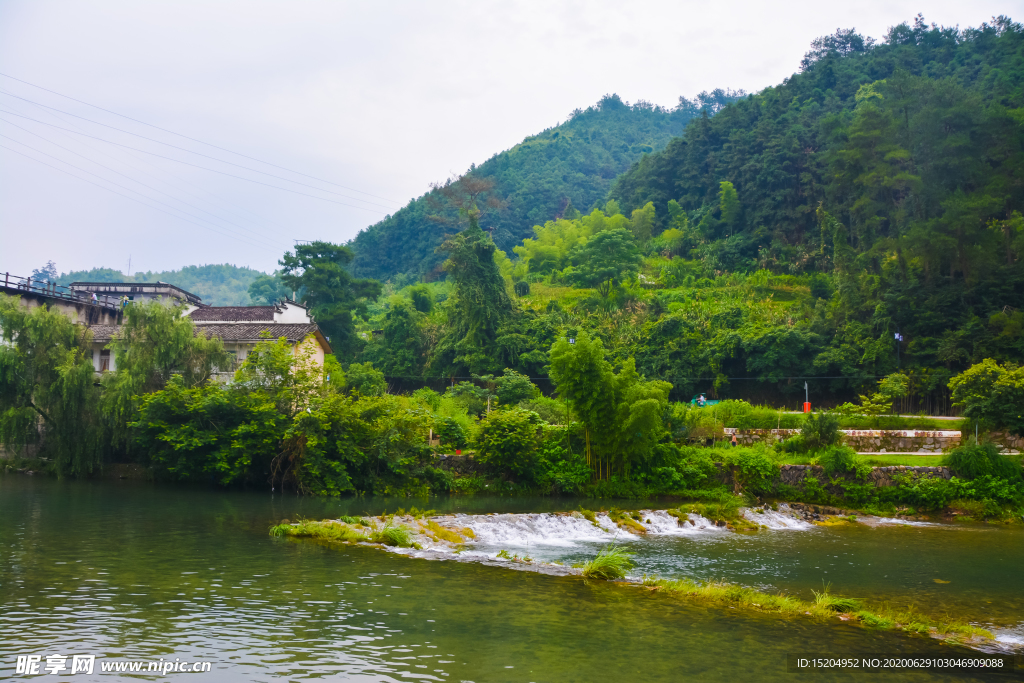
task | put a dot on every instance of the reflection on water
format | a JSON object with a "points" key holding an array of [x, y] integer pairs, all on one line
{"points": [[126, 571]]}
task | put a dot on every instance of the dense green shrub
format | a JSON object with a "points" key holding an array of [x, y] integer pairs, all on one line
{"points": [[972, 460], [837, 460], [821, 430], [508, 442], [758, 470]]}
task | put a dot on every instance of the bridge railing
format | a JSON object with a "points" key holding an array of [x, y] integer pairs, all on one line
{"points": [[15, 284]]}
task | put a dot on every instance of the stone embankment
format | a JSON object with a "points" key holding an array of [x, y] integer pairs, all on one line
{"points": [[879, 477], [794, 475], [865, 440]]}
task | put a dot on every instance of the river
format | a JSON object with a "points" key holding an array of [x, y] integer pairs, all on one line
{"points": [[129, 571]]}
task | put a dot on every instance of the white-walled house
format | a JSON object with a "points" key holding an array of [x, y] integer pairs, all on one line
{"points": [[239, 327]]}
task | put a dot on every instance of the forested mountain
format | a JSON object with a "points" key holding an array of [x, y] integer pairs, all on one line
{"points": [[535, 180], [217, 284], [894, 171], [913, 145], [861, 218]]}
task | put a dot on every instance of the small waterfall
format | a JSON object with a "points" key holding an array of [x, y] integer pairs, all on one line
{"points": [[537, 529], [660, 523], [546, 529], [783, 518]]}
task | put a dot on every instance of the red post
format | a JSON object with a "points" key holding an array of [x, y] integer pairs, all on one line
{"points": [[807, 407]]}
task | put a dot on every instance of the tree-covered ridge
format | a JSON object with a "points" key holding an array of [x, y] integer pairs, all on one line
{"points": [[898, 244], [220, 284], [535, 180], [890, 177], [902, 142]]}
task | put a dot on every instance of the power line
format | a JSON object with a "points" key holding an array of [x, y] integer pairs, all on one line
{"points": [[186, 163], [158, 171], [134, 199], [186, 150], [123, 187], [150, 187], [223, 149]]}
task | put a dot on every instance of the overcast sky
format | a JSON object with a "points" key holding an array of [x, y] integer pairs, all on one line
{"points": [[372, 101]]}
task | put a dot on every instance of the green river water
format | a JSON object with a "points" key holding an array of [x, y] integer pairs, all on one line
{"points": [[129, 571]]}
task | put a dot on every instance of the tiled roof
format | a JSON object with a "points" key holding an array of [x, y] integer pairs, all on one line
{"points": [[238, 314], [253, 331], [228, 331], [103, 333]]}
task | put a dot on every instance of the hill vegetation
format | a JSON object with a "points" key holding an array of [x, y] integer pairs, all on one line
{"points": [[535, 181], [861, 218], [856, 231], [219, 284]]}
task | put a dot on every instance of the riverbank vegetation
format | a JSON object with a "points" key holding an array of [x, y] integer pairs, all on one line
{"points": [[825, 605], [876, 265]]}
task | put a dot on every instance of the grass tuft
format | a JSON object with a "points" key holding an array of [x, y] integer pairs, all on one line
{"points": [[833, 603], [610, 563]]}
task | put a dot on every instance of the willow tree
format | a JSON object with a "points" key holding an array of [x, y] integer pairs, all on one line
{"points": [[48, 396], [155, 343]]}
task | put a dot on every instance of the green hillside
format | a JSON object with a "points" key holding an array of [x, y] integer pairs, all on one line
{"points": [[217, 284], [914, 145], [575, 161], [789, 238]]}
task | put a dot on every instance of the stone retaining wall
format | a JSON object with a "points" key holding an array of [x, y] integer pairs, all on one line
{"points": [[459, 464], [865, 440], [794, 475]]}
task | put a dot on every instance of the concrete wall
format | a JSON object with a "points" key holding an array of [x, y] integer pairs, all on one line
{"points": [[82, 312]]}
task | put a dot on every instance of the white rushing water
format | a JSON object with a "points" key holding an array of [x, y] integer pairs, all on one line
{"points": [[907, 522], [571, 530], [1010, 638], [783, 518]]}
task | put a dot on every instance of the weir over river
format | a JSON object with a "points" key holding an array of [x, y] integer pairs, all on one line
{"points": [[137, 572]]}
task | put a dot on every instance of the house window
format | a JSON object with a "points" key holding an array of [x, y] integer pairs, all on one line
{"points": [[105, 360]]}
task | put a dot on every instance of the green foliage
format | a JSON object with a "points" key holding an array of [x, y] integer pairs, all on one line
{"points": [[576, 160], [422, 298], [609, 256], [365, 380], [824, 600], [268, 289], [971, 461], [507, 441], [993, 394], [757, 469], [320, 270], [190, 434], [610, 563], [837, 460], [402, 350], [551, 410], [392, 534], [513, 387], [821, 430], [155, 343], [47, 391], [586, 379], [480, 302]]}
